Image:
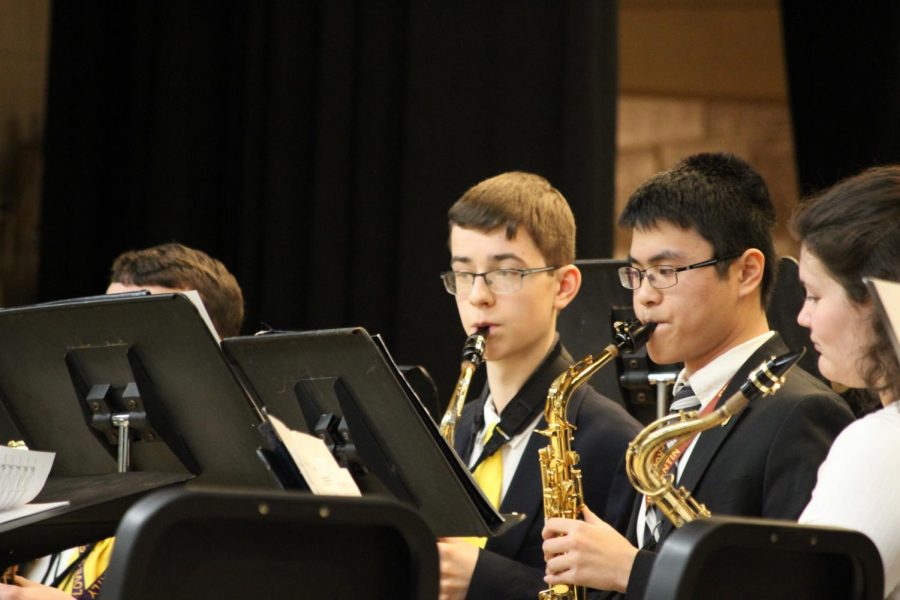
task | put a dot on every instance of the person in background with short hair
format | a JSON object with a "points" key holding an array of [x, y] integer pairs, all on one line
{"points": [[174, 267], [168, 268]]}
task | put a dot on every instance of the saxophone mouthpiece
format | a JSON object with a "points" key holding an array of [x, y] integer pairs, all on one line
{"points": [[770, 375], [473, 350], [784, 363], [632, 334]]}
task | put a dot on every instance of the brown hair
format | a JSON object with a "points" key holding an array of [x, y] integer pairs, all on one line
{"points": [[178, 267], [854, 229], [518, 199]]}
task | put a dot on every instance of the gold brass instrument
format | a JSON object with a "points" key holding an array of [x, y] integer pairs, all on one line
{"points": [[563, 494], [472, 356], [654, 446]]}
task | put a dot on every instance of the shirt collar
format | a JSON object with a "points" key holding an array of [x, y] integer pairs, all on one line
{"points": [[707, 382]]}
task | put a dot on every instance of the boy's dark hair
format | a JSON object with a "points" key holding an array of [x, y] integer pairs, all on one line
{"points": [[178, 267], [517, 199], [853, 228], [719, 196]]}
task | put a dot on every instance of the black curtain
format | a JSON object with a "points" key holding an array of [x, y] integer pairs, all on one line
{"points": [[315, 147], [844, 80]]}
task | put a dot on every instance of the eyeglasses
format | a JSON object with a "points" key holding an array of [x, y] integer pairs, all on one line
{"points": [[499, 281], [662, 276]]}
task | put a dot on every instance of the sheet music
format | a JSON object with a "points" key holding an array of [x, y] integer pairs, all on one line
{"points": [[194, 297], [28, 509], [887, 296], [318, 467], [23, 474]]}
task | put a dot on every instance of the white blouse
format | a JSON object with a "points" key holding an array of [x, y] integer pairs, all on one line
{"points": [[859, 487]]}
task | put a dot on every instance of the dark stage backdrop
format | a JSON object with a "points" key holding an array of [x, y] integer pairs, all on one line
{"points": [[844, 82], [315, 147]]}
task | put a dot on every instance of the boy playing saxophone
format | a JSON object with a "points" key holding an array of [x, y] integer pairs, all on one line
{"points": [[702, 268], [512, 244]]}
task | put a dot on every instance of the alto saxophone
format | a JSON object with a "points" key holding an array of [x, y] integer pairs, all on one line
{"points": [[653, 446], [472, 356], [563, 494]]}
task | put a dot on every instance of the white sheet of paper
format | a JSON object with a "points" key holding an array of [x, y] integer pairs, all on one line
{"points": [[889, 296], [22, 475], [318, 467], [196, 300], [29, 509]]}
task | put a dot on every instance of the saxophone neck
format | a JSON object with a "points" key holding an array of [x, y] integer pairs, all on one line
{"points": [[628, 337], [575, 376], [472, 356]]}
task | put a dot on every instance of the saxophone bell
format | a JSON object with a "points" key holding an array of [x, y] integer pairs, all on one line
{"points": [[647, 458], [472, 357]]}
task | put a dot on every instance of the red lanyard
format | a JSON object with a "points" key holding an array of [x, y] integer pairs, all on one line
{"points": [[671, 458]]}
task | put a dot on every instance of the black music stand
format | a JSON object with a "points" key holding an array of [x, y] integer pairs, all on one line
{"points": [[232, 543], [67, 368], [423, 385], [347, 373], [731, 557]]}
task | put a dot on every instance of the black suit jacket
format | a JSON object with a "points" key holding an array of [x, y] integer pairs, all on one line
{"points": [[512, 565], [763, 462]]}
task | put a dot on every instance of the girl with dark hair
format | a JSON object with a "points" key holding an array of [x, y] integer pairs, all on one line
{"points": [[849, 232]]}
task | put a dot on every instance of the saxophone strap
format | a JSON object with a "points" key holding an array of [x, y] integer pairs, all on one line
{"points": [[525, 405]]}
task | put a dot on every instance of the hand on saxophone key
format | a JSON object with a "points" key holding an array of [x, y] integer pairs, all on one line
{"points": [[587, 553]]}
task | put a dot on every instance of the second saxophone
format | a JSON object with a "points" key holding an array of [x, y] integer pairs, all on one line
{"points": [[561, 479], [650, 450]]}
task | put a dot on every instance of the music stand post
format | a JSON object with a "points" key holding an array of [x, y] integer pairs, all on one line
{"points": [[119, 413], [662, 381]]}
